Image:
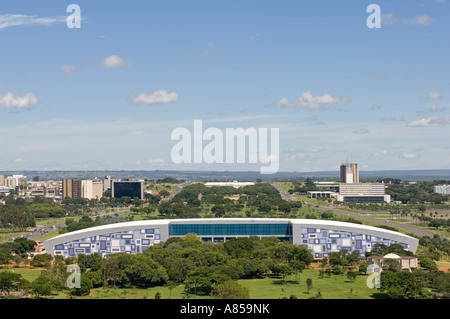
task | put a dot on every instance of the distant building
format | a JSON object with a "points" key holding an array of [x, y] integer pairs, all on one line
{"points": [[130, 188], [107, 181], [406, 262], [72, 188], [363, 192], [329, 186], [2, 180], [234, 184], [442, 189], [15, 180], [326, 194], [92, 188], [349, 173]]}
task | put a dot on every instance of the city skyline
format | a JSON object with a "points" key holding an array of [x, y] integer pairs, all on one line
{"points": [[108, 95]]}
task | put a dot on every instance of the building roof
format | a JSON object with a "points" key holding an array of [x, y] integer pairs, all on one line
{"points": [[302, 223], [391, 256]]}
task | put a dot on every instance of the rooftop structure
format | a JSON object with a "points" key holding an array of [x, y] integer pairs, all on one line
{"points": [[321, 237]]}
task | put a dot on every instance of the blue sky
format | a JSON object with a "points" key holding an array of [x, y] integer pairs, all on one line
{"points": [[108, 95]]}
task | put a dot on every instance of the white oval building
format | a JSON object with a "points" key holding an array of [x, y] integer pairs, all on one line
{"points": [[321, 237]]}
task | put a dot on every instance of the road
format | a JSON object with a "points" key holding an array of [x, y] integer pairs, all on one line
{"points": [[411, 228], [179, 189], [285, 196]]}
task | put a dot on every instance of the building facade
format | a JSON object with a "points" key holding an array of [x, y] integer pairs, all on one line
{"points": [[321, 237], [349, 173], [92, 188], [72, 188], [129, 188], [15, 181], [363, 192], [442, 189]]}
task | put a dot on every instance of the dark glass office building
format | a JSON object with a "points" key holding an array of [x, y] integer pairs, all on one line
{"points": [[127, 188]]}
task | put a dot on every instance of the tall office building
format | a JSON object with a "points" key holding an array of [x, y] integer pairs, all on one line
{"points": [[72, 188], [2, 180], [92, 188], [349, 173], [128, 188], [15, 180]]}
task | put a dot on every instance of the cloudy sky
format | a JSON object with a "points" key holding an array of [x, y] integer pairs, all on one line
{"points": [[109, 94]]}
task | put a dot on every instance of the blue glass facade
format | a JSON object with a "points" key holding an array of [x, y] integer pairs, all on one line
{"points": [[127, 241], [321, 242], [231, 229]]}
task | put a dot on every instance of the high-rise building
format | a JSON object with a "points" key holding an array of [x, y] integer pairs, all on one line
{"points": [[92, 188], [72, 188], [349, 173], [128, 188], [2, 180], [15, 180]]}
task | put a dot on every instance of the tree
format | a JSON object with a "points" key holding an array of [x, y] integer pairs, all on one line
{"points": [[363, 268], [10, 281], [42, 286], [41, 260], [391, 265], [142, 271], [230, 290], [85, 286], [298, 267], [428, 264], [352, 274], [309, 284], [239, 247], [163, 193], [401, 285]]}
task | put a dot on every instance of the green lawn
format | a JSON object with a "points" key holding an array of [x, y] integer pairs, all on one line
{"points": [[29, 274], [334, 287]]}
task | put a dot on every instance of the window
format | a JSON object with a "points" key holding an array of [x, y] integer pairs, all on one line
{"points": [[230, 229]]}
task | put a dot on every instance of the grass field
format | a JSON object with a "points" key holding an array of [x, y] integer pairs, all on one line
{"points": [[334, 287]]}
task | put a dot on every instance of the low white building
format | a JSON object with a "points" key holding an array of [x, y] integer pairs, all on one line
{"points": [[234, 184], [442, 189], [363, 192], [406, 262]]}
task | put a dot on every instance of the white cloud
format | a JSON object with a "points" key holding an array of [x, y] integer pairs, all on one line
{"points": [[252, 37], [380, 153], [388, 19], [156, 97], [69, 70], [14, 20], [419, 21], [408, 155], [20, 160], [115, 61], [27, 101], [391, 118], [361, 131], [434, 95], [428, 122], [308, 101], [156, 161]]}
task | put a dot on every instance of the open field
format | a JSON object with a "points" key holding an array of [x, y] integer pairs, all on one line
{"points": [[334, 287]]}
